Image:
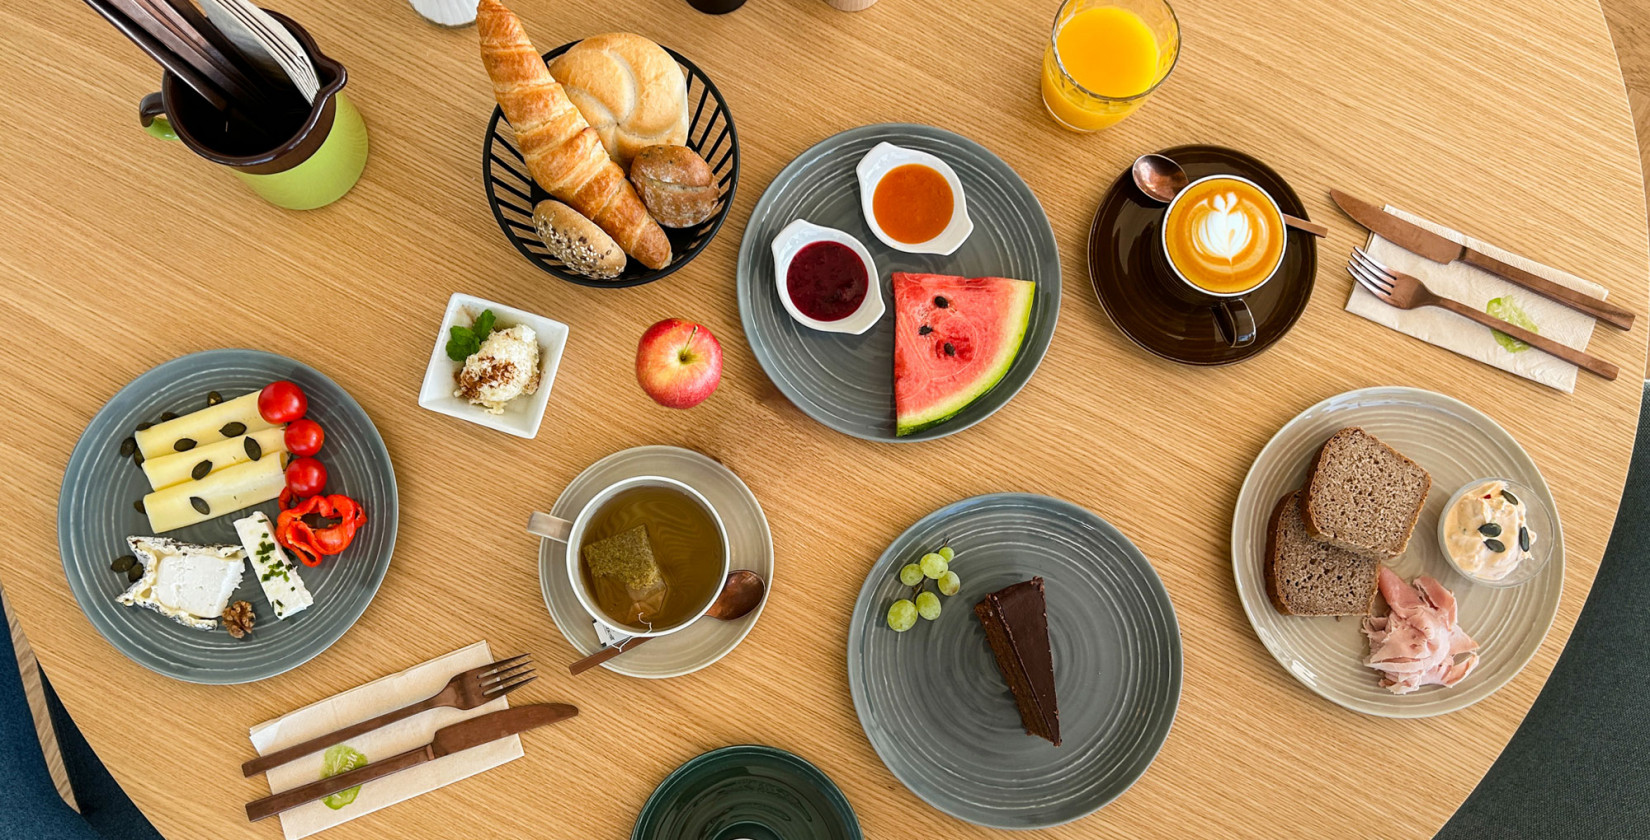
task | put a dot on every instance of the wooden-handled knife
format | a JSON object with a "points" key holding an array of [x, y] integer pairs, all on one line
{"points": [[448, 740], [1418, 240]]}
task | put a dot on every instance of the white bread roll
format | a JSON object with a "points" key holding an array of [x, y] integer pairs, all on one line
{"points": [[629, 89]]}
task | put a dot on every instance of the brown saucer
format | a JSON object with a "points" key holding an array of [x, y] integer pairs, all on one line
{"points": [[1132, 280]]}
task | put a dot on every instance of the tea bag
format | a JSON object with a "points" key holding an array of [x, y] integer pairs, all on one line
{"points": [[626, 559]]}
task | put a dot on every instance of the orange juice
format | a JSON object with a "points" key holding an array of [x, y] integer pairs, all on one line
{"points": [[1103, 59]]}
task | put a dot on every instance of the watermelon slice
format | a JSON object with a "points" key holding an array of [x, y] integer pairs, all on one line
{"points": [[954, 338]]}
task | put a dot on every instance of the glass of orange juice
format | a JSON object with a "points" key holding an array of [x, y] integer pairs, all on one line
{"points": [[1104, 59]]}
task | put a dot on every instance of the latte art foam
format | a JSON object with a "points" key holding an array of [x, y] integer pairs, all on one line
{"points": [[1224, 235]]}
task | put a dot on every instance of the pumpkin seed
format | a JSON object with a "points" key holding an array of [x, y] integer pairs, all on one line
{"points": [[254, 450], [134, 573], [235, 429], [1523, 538], [924, 329], [1507, 494], [201, 470], [1496, 546], [941, 302], [200, 505], [122, 563], [184, 444], [213, 398], [1490, 529], [138, 506], [144, 425], [127, 447], [137, 458], [949, 349], [168, 415]]}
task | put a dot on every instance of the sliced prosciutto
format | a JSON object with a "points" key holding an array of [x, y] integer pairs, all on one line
{"points": [[1418, 642]]}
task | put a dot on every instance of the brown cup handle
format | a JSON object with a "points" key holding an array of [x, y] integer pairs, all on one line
{"points": [[152, 116], [1236, 322]]}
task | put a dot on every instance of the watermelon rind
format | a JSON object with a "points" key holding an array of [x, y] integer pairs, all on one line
{"points": [[1016, 320]]}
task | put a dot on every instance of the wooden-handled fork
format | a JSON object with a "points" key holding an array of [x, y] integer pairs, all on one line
{"points": [[465, 691], [1407, 292]]}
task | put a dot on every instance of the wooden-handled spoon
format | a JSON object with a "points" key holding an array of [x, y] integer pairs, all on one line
{"points": [[1160, 178], [742, 591]]}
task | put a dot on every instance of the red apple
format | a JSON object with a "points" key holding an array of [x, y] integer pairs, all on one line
{"points": [[678, 363]]}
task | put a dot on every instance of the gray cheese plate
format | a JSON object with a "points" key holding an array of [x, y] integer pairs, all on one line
{"points": [[847, 381], [95, 516], [935, 707]]}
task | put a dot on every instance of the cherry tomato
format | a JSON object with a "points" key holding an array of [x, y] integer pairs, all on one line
{"points": [[304, 437], [282, 402], [306, 477]]}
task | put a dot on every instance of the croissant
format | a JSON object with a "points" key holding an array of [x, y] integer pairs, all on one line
{"points": [[563, 153]]}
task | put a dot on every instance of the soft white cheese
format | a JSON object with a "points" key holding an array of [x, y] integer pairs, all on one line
{"points": [[505, 367], [190, 584], [275, 570]]}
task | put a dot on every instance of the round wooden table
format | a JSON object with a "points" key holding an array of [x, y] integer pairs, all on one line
{"points": [[1507, 119]]}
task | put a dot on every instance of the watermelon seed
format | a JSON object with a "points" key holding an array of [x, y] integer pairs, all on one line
{"points": [[941, 302], [924, 330], [950, 350]]}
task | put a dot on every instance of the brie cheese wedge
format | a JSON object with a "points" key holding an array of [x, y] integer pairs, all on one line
{"points": [[190, 584], [275, 570]]}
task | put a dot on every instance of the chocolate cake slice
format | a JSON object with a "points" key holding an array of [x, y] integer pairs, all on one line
{"points": [[1016, 624]]}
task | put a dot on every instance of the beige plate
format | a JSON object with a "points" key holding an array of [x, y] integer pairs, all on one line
{"points": [[749, 543], [1456, 443]]}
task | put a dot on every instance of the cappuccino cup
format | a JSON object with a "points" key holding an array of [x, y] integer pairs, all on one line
{"points": [[1223, 237]]}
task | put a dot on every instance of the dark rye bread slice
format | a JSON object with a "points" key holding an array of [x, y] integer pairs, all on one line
{"points": [[1363, 495], [1305, 576]]}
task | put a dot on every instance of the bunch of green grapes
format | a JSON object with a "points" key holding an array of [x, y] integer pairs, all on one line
{"points": [[934, 566]]}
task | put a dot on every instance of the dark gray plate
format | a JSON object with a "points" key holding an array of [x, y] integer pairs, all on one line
{"points": [[935, 707], [847, 381], [95, 515]]}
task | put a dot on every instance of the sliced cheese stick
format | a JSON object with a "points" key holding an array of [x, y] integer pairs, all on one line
{"points": [[224, 491], [275, 570], [180, 466], [202, 427]]}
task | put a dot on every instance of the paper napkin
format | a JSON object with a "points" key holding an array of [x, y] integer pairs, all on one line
{"points": [[1477, 288], [370, 700]]}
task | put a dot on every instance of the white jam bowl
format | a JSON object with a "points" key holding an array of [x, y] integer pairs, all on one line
{"points": [[884, 157], [802, 233]]}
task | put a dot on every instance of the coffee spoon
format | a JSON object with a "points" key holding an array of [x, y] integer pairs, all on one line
{"points": [[1160, 178], [742, 591]]}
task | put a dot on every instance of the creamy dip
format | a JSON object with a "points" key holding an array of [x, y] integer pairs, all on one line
{"points": [[1485, 531], [505, 367]]}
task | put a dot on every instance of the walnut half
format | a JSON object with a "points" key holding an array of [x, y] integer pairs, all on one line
{"points": [[238, 619]]}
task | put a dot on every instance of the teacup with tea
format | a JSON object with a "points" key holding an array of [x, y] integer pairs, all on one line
{"points": [[646, 556], [1224, 237]]}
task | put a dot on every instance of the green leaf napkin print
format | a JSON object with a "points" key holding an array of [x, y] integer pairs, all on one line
{"points": [[341, 759], [1508, 310]]}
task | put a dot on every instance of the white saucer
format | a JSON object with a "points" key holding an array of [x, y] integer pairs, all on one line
{"points": [[749, 542]]}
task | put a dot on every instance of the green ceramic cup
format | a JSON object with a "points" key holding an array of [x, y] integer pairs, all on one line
{"points": [[312, 167]]}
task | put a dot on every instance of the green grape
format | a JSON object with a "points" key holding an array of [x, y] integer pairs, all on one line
{"points": [[948, 553], [928, 605], [911, 575], [933, 565], [949, 584], [902, 616]]}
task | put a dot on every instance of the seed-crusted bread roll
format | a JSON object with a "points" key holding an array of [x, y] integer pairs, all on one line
{"points": [[676, 184], [629, 89], [576, 241], [563, 153]]}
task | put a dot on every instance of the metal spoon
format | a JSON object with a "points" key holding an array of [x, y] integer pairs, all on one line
{"points": [[1160, 178], [742, 591]]}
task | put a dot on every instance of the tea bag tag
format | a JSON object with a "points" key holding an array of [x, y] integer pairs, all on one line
{"points": [[608, 637]]}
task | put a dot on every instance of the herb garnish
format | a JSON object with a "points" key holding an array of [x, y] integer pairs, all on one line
{"points": [[466, 341]]}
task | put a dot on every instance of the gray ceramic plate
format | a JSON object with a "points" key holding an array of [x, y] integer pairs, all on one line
{"points": [[847, 381], [935, 706], [95, 515], [750, 546], [1455, 443], [747, 792]]}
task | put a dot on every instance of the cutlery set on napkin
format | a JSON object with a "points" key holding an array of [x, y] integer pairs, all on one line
{"points": [[393, 739], [1527, 306]]}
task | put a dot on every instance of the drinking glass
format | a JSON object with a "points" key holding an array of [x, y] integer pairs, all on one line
{"points": [[1121, 27]]}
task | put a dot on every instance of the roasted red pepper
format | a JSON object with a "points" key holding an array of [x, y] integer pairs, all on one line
{"points": [[311, 544]]}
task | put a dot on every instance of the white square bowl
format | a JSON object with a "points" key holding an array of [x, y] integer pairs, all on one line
{"points": [[521, 416]]}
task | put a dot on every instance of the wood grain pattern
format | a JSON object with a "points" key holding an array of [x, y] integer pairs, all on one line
{"points": [[122, 252]]}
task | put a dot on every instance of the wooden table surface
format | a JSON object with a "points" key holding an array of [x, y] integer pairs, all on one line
{"points": [[1503, 117]]}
